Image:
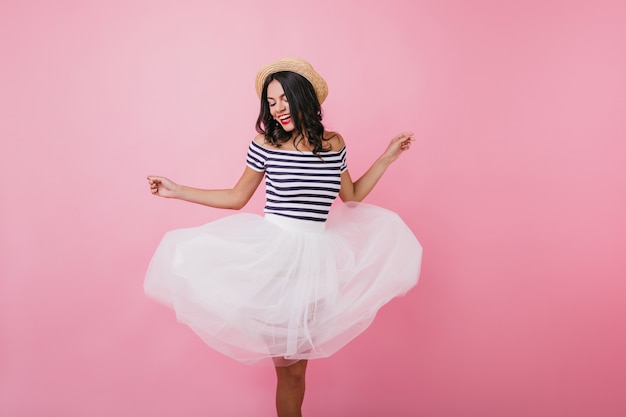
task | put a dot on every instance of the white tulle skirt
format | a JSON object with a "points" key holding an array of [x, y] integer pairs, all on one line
{"points": [[256, 287]]}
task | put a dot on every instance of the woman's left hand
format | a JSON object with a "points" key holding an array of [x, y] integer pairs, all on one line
{"points": [[398, 144]]}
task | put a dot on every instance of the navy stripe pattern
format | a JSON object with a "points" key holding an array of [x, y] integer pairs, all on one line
{"points": [[299, 185]]}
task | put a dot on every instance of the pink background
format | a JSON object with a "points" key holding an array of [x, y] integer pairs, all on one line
{"points": [[515, 187]]}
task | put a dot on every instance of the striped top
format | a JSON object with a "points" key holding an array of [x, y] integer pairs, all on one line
{"points": [[298, 184]]}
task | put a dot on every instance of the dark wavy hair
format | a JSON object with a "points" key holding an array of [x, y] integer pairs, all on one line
{"points": [[305, 110]]}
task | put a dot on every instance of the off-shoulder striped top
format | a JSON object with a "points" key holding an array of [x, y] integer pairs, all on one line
{"points": [[298, 184]]}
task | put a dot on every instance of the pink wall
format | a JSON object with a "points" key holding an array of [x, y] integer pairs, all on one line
{"points": [[516, 188]]}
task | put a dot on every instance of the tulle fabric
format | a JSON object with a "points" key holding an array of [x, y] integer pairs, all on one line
{"points": [[256, 287]]}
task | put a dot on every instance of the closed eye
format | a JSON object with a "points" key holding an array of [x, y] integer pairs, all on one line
{"points": [[283, 97]]}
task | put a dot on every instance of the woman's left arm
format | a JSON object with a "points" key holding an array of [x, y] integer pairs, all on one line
{"points": [[359, 189]]}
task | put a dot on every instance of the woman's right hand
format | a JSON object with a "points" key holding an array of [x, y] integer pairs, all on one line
{"points": [[162, 186]]}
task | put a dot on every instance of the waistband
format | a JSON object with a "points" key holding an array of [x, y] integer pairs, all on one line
{"points": [[297, 225]]}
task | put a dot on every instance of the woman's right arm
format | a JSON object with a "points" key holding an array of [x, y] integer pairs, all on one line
{"points": [[234, 198]]}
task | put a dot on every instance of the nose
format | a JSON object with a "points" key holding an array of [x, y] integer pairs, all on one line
{"points": [[280, 106]]}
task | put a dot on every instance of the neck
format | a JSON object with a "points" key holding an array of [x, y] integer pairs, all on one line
{"points": [[300, 142]]}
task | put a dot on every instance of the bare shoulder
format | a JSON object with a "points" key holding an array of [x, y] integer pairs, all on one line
{"points": [[335, 140], [259, 139]]}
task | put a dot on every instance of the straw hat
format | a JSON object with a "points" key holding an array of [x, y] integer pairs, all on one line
{"points": [[297, 65]]}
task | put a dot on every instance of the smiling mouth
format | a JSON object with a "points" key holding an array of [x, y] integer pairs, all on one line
{"points": [[284, 119]]}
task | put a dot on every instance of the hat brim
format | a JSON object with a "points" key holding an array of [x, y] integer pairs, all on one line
{"points": [[297, 65]]}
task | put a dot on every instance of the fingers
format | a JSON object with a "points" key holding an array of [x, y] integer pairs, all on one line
{"points": [[154, 183], [405, 139], [403, 136], [406, 144]]}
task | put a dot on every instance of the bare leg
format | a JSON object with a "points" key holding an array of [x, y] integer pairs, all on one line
{"points": [[290, 389]]}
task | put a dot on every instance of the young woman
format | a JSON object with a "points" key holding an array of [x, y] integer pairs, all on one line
{"points": [[304, 279]]}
